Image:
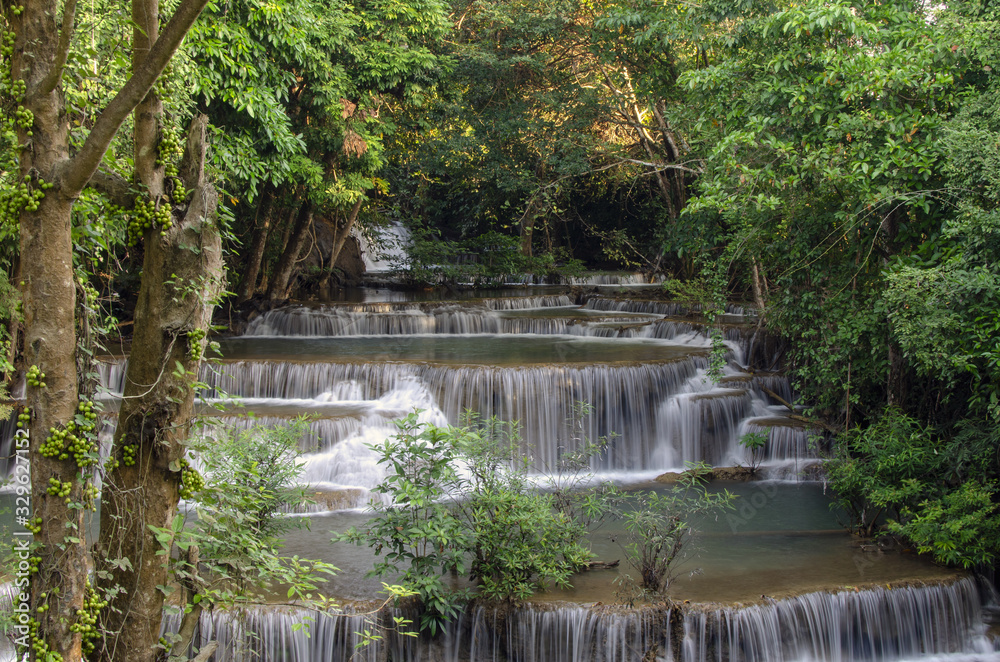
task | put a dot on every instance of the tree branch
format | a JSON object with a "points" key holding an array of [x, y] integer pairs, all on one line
{"points": [[114, 187], [192, 167], [76, 172], [206, 652], [65, 34]]}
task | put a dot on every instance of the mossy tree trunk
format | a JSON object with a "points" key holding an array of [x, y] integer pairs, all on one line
{"points": [[182, 274], [43, 32]]}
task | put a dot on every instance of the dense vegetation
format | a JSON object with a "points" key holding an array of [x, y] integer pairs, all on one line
{"points": [[837, 163]]}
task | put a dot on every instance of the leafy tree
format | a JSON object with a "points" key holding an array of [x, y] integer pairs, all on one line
{"points": [[306, 122], [419, 534], [754, 444], [658, 525], [521, 538], [231, 553], [527, 140], [509, 537], [53, 172], [908, 479], [828, 127]]}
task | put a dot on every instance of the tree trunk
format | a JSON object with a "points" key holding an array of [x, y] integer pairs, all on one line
{"points": [[758, 288], [342, 235], [145, 31], [50, 344], [278, 289], [255, 255], [181, 279], [49, 300], [338, 245], [43, 33]]}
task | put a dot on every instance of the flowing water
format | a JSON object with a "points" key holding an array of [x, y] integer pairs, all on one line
{"points": [[532, 355]]}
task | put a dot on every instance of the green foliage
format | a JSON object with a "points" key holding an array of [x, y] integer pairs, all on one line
{"points": [[936, 491], [419, 535], [754, 443], [876, 470], [961, 527], [521, 540], [658, 525], [490, 521], [706, 294], [942, 305], [241, 518]]}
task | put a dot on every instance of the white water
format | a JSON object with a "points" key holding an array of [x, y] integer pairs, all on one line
{"points": [[667, 414], [658, 416], [938, 622]]}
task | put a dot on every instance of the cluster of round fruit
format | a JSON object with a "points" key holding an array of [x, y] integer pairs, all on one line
{"points": [[35, 377], [179, 193], [24, 118], [146, 215], [44, 607], [90, 494], [195, 347], [6, 54], [91, 293], [58, 488], [128, 455], [24, 418], [169, 150], [21, 196], [192, 482], [86, 623], [7, 44], [74, 439], [39, 645], [34, 525], [15, 88]]}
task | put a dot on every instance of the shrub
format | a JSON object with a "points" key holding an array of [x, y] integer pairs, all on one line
{"points": [[488, 521]]}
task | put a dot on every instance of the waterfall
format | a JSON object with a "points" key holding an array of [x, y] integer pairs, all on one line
{"points": [[542, 398], [614, 279], [388, 252], [703, 426], [874, 624], [636, 306], [867, 625], [353, 320], [658, 415]]}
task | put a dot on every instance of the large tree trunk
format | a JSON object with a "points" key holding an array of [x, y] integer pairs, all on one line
{"points": [[181, 279], [340, 237], [278, 289], [344, 232], [255, 255], [145, 31], [49, 296], [43, 34]]}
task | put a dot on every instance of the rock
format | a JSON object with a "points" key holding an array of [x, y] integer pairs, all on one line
{"points": [[717, 473]]}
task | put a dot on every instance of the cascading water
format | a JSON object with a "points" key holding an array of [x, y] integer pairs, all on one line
{"points": [[354, 368], [646, 383], [874, 625]]}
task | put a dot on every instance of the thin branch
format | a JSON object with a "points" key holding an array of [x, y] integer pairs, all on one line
{"points": [[659, 167], [76, 172], [65, 34]]}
